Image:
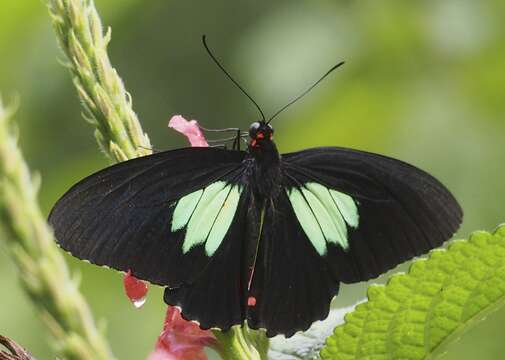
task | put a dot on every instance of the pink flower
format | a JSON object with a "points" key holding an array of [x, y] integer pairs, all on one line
{"points": [[190, 129], [181, 339]]}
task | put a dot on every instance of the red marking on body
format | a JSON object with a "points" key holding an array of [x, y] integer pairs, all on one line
{"points": [[260, 136], [251, 301], [253, 143]]}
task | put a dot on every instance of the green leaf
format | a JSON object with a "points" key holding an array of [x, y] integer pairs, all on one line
{"points": [[416, 315]]}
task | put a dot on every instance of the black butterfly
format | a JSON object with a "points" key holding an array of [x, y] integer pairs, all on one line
{"points": [[254, 236]]}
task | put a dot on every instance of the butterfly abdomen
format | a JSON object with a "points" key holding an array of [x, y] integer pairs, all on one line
{"points": [[265, 171]]}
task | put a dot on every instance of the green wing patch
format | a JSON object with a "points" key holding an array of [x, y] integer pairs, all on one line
{"points": [[324, 214], [207, 215]]}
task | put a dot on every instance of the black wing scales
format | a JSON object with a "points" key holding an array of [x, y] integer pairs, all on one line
{"points": [[121, 216], [403, 211], [216, 298], [291, 284]]}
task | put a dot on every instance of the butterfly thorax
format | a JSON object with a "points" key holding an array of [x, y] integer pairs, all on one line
{"points": [[265, 168]]}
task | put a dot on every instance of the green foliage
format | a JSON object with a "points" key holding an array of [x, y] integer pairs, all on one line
{"points": [[416, 315]]}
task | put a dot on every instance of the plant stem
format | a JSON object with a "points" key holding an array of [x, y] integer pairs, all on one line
{"points": [[242, 343], [43, 271], [16, 352], [107, 104]]}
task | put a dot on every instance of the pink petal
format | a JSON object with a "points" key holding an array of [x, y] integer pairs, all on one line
{"points": [[190, 129], [135, 289], [161, 354], [181, 339]]}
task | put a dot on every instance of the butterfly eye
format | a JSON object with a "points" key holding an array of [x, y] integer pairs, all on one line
{"points": [[253, 129]]}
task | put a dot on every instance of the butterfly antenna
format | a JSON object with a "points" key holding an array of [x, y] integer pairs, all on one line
{"points": [[306, 91], [204, 40]]}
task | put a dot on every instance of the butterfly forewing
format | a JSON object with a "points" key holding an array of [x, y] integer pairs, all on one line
{"points": [[151, 215], [395, 211], [323, 214]]}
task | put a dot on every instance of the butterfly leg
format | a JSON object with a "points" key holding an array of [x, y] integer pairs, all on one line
{"points": [[220, 130], [236, 142]]}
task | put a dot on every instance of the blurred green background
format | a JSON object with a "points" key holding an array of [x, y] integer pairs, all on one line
{"points": [[424, 82]]}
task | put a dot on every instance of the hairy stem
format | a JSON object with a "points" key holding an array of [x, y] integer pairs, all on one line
{"points": [[107, 104], [43, 271]]}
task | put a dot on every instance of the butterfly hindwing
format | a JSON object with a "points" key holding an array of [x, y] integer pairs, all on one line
{"points": [[216, 298], [162, 216], [292, 285]]}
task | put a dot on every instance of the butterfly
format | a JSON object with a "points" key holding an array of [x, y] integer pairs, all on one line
{"points": [[254, 236]]}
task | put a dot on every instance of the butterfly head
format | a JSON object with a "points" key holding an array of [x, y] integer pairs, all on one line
{"points": [[260, 132]]}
